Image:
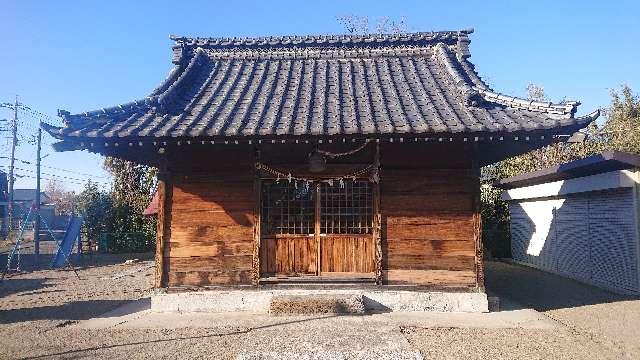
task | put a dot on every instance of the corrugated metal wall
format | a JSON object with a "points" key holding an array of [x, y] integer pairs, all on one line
{"points": [[589, 236]]}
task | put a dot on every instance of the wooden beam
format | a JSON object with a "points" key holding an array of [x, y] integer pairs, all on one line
{"points": [[163, 233]]}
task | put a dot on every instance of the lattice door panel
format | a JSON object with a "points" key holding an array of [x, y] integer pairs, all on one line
{"points": [[324, 228], [287, 209], [346, 208]]}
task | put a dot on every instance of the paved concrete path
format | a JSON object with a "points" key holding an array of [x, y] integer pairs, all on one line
{"points": [[376, 336], [137, 315]]}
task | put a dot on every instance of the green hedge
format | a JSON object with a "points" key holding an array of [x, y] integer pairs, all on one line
{"points": [[126, 242]]}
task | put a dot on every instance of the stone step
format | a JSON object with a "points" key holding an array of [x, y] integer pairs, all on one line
{"points": [[259, 300], [317, 304]]}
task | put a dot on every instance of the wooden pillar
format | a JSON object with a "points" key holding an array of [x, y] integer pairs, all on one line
{"points": [[163, 233], [316, 230], [377, 217], [257, 185], [477, 220]]}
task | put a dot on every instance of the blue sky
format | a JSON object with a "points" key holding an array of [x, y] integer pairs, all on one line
{"points": [[81, 55]]}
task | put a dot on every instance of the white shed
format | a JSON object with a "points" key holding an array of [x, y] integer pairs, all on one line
{"points": [[580, 220]]}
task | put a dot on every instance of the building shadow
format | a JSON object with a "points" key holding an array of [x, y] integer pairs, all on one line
{"points": [[523, 287], [74, 310], [10, 286], [28, 261]]}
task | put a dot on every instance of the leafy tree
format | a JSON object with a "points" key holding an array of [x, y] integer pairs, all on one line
{"points": [[96, 208], [621, 131], [133, 187], [354, 24], [132, 183], [63, 200]]}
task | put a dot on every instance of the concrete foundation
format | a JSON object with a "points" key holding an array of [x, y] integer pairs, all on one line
{"points": [[259, 301]]}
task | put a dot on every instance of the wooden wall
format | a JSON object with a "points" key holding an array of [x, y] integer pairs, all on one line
{"points": [[428, 201], [428, 217], [211, 220]]}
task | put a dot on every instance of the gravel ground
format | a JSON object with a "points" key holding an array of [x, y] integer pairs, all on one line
{"points": [[38, 311], [586, 311]]}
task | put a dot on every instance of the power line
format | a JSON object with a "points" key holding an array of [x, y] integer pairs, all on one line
{"points": [[40, 115], [53, 179], [76, 172], [59, 176], [61, 169], [29, 173]]}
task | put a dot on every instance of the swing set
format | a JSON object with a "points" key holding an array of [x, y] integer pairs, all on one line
{"points": [[65, 246]]}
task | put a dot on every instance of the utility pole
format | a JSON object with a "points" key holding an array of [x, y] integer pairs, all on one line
{"points": [[36, 228], [14, 142]]}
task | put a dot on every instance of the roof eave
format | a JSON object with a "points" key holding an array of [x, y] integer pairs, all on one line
{"points": [[591, 165]]}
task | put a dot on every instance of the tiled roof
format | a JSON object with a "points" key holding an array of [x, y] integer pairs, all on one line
{"points": [[363, 85]]}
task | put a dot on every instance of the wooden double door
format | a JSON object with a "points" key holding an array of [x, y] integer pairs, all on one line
{"points": [[317, 229]]}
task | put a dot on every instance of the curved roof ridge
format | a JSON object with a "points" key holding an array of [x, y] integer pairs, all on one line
{"points": [[468, 92], [174, 73], [121, 108], [564, 108], [316, 40], [167, 96], [161, 95], [586, 119]]}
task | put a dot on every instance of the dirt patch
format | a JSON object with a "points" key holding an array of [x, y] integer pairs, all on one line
{"points": [[316, 304]]}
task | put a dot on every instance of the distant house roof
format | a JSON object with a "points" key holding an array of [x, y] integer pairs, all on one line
{"points": [[419, 84], [596, 164], [152, 208], [26, 195]]}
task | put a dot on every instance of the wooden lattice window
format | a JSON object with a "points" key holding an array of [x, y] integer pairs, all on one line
{"points": [[286, 209], [346, 208]]}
